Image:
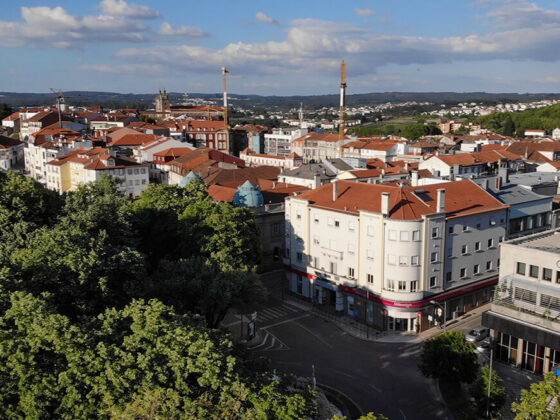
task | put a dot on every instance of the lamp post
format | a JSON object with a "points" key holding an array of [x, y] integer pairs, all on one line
{"points": [[489, 378], [444, 308]]}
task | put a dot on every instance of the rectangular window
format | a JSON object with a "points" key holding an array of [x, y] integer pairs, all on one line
{"points": [[476, 269], [463, 249], [450, 229], [316, 240], [370, 230], [350, 272], [498, 263], [403, 260], [351, 249], [392, 260], [402, 286], [534, 271], [370, 278], [276, 228], [351, 226], [558, 277], [488, 265], [299, 256], [547, 274], [369, 254], [463, 273], [333, 267], [336, 223], [433, 281], [477, 246], [490, 243], [413, 286], [316, 219], [330, 221], [435, 232], [414, 260], [525, 295], [392, 235], [465, 228], [298, 216], [521, 267], [390, 285], [434, 257], [416, 235], [404, 235], [448, 276]]}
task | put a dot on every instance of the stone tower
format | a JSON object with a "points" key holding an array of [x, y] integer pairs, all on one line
{"points": [[162, 101]]}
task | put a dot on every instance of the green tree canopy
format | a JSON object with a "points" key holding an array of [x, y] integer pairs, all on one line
{"points": [[449, 356], [541, 401], [129, 363], [479, 391]]}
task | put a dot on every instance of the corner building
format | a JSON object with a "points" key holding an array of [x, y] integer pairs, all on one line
{"points": [[381, 253]]}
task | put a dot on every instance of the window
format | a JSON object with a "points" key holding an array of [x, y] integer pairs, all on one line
{"points": [[463, 273], [463, 249], [547, 274], [558, 277], [369, 254], [351, 226], [498, 263], [392, 260], [525, 295], [370, 278], [433, 281], [316, 240], [276, 228], [478, 225], [299, 256], [330, 221], [403, 260], [392, 235], [477, 246], [448, 276], [413, 286], [402, 286], [287, 252], [488, 265], [534, 271], [414, 260], [476, 269], [435, 232], [521, 267], [351, 249], [316, 219], [136, 171], [404, 235], [143, 182], [333, 267], [416, 235], [465, 228], [298, 216], [490, 243], [370, 230], [450, 229], [336, 223], [491, 222], [434, 257], [350, 272]]}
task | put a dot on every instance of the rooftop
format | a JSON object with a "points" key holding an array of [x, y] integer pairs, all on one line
{"points": [[548, 241]]}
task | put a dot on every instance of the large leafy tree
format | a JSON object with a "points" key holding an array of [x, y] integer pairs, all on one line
{"points": [[449, 356], [144, 361], [541, 401], [479, 391]]}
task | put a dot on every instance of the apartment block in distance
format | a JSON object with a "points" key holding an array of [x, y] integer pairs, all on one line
{"points": [[525, 314], [381, 252]]}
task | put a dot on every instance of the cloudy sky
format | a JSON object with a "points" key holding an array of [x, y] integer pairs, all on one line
{"points": [[280, 48]]}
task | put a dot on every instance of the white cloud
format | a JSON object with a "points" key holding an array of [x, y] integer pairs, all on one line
{"points": [[123, 68], [364, 12], [263, 17], [520, 14], [184, 31], [549, 79], [131, 10]]}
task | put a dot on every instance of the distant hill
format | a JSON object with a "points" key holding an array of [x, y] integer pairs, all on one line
{"points": [[515, 123], [146, 100]]}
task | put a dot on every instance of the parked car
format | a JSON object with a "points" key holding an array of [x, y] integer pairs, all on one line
{"points": [[478, 334], [483, 346]]}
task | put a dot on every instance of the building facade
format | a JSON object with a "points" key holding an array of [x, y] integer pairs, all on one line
{"points": [[381, 253]]}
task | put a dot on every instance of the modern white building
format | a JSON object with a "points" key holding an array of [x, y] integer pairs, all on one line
{"points": [[381, 253], [11, 153], [279, 142], [293, 160], [524, 316]]}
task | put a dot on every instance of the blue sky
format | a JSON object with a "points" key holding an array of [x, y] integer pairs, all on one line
{"points": [[281, 48]]}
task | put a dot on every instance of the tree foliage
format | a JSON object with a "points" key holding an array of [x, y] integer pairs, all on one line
{"points": [[143, 360], [541, 401], [510, 123], [479, 391], [449, 356]]}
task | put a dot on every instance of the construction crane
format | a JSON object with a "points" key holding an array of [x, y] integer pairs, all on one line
{"points": [[342, 99], [59, 102], [224, 82]]}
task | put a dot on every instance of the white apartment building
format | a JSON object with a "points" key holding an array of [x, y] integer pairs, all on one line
{"points": [[381, 253], [145, 152], [524, 316], [293, 160], [11, 152], [279, 142]]}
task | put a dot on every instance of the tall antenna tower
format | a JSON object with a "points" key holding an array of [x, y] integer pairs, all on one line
{"points": [[224, 82], [60, 102], [301, 115], [342, 98]]}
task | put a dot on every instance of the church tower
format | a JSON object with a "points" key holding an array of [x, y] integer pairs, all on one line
{"points": [[162, 101]]}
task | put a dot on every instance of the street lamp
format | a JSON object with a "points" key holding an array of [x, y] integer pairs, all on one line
{"points": [[444, 308]]}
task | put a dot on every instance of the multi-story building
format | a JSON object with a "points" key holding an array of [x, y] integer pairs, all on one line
{"points": [[36, 123], [524, 316], [207, 133], [318, 147], [279, 142], [11, 153], [381, 253], [293, 160]]}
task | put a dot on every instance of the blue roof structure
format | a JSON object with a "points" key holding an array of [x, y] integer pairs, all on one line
{"points": [[248, 195], [188, 178]]}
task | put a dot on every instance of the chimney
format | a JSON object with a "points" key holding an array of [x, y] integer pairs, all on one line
{"points": [[486, 184], [317, 181], [414, 179], [498, 183], [334, 191], [406, 166], [274, 185], [441, 200], [385, 203]]}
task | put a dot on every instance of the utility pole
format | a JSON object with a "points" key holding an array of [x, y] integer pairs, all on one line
{"points": [[301, 115], [59, 100], [342, 99], [489, 379], [224, 82]]}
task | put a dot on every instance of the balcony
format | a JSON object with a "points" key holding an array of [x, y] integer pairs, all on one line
{"points": [[331, 253]]}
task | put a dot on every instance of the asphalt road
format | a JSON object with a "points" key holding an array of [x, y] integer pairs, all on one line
{"points": [[378, 377]]}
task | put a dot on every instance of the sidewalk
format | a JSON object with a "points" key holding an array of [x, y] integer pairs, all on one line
{"points": [[363, 332]]}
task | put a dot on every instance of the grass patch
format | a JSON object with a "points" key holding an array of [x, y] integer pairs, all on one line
{"points": [[457, 400]]}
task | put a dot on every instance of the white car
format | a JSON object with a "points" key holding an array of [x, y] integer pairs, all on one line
{"points": [[478, 334]]}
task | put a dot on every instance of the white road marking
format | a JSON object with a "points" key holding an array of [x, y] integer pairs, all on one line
{"points": [[402, 414], [285, 321], [315, 335], [376, 388]]}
